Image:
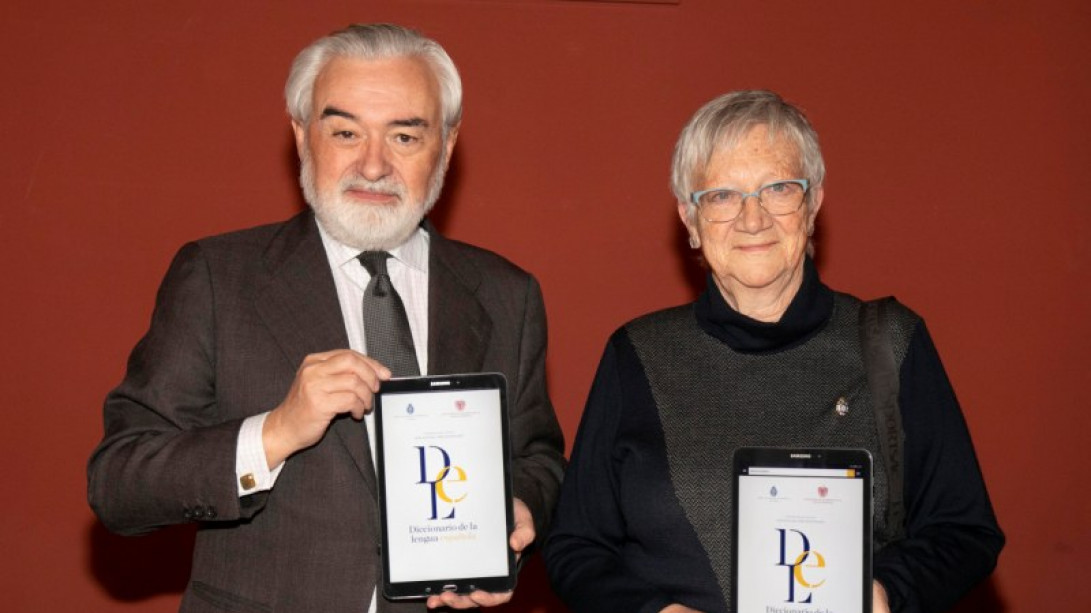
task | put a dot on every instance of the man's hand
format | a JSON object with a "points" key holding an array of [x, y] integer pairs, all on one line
{"points": [[521, 537], [326, 385], [523, 534]]}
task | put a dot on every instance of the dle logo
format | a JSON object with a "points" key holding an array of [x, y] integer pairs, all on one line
{"points": [[797, 566], [445, 475]]}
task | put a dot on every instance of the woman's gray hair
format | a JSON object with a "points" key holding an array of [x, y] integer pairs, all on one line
{"points": [[724, 121], [373, 41]]}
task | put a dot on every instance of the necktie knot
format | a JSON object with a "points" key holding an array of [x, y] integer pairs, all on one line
{"points": [[375, 263]]}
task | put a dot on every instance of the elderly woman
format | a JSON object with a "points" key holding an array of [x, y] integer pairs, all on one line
{"points": [[762, 358]]}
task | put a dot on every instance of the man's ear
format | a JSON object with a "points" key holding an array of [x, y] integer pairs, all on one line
{"points": [[452, 136], [300, 132]]}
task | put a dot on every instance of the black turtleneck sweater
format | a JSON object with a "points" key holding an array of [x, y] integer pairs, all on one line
{"points": [[809, 310], [621, 540]]}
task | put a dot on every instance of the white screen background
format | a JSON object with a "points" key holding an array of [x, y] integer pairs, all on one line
{"points": [[833, 525], [475, 542]]}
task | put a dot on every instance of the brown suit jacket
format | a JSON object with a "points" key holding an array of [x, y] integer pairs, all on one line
{"points": [[234, 318]]}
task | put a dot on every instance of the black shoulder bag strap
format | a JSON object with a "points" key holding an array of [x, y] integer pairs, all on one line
{"points": [[882, 378]]}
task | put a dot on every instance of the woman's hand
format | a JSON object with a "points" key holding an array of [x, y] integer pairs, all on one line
{"points": [[878, 602], [677, 608], [878, 598]]}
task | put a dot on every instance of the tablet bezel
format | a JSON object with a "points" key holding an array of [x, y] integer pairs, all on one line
{"points": [[779, 457], [454, 583]]}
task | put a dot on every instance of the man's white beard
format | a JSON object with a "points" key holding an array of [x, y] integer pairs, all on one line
{"points": [[368, 227]]}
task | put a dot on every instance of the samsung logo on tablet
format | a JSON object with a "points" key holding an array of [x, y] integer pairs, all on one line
{"points": [[800, 455]]}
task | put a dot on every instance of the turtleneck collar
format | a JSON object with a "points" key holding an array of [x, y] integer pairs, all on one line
{"points": [[809, 310]]}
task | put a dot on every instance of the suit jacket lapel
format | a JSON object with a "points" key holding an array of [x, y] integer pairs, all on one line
{"points": [[458, 326], [300, 307]]}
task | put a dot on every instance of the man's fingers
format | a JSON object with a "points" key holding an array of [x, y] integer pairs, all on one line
{"points": [[326, 385], [341, 371], [472, 600], [523, 534], [348, 360]]}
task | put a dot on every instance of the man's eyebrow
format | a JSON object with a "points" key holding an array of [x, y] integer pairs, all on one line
{"points": [[332, 111], [412, 122], [415, 122]]}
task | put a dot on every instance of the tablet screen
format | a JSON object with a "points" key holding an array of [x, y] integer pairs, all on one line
{"points": [[803, 530], [444, 489]]}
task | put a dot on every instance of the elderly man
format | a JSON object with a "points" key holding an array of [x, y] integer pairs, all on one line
{"points": [[246, 406]]}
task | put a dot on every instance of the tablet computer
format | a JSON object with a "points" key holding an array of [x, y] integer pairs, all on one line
{"points": [[445, 495], [802, 530]]}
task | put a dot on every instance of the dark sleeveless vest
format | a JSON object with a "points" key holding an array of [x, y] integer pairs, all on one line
{"points": [[712, 399]]}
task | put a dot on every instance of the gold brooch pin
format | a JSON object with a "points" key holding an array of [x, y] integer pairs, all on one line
{"points": [[842, 407]]}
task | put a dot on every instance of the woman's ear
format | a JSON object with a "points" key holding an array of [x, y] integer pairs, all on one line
{"points": [[685, 213]]}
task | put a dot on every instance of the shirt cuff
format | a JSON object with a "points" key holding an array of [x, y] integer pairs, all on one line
{"points": [[251, 468]]}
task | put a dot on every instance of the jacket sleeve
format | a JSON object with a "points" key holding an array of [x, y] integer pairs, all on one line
{"points": [[536, 438], [167, 455], [952, 536]]}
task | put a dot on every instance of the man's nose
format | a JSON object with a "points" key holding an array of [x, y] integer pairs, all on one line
{"points": [[374, 160]]}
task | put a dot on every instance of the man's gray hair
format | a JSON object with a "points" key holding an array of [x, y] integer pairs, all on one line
{"points": [[373, 41], [725, 121]]}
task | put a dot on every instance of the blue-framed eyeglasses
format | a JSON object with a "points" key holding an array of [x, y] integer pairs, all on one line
{"points": [[722, 204]]}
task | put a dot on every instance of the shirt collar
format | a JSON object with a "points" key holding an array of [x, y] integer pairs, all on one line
{"points": [[413, 252]]}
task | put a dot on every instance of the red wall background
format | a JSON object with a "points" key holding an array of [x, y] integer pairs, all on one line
{"points": [[955, 136]]}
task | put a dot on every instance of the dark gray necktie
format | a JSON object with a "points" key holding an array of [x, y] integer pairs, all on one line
{"points": [[386, 327]]}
